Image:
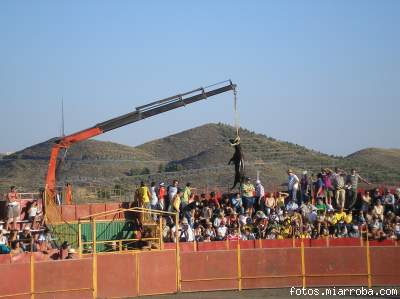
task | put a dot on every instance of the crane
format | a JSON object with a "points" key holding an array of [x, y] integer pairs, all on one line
{"points": [[140, 113]]}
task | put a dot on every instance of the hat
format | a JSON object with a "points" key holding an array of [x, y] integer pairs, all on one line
{"points": [[289, 170], [27, 228], [258, 182], [161, 184], [184, 221], [71, 250], [305, 172]]}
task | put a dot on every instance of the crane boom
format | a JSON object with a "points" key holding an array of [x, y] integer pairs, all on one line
{"points": [[140, 113]]}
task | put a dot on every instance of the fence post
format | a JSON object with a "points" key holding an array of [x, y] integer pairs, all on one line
{"points": [[303, 265], [94, 258], [368, 261], [178, 258], [32, 264], [239, 266], [80, 239]]}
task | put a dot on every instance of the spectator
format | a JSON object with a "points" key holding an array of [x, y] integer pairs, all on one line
{"points": [[172, 190], [248, 196], [304, 187], [260, 194], [237, 203], [154, 203], [270, 203], [365, 202], [328, 185], [340, 192], [161, 196], [352, 182], [32, 213], [388, 201], [16, 248], [187, 192], [25, 238], [293, 185], [144, 196], [378, 210], [13, 210], [68, 194]]}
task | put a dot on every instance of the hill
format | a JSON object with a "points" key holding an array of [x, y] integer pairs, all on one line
{"points": [[199, 155]]}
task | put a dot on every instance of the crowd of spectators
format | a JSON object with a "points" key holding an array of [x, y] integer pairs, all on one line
{"points": [[327, 204], [23, 231]]}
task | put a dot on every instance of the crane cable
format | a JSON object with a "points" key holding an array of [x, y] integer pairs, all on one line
{"points": [[236, 117]]}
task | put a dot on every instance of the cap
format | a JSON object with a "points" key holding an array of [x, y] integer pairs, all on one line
{"points": [[161, 184], [71, 250], [258, 182]]}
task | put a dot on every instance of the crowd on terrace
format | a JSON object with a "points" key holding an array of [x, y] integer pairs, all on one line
{"points": [[329, 204]]}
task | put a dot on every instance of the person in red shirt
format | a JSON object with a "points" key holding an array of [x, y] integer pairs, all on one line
{"points": [[213, 199], [68, 194], [161, 195]]}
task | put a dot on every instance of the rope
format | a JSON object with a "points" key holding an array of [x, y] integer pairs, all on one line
{"points": [[236, 120]]}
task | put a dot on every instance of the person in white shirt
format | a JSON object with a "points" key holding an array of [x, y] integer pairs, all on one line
{"points": [[293, 185]]}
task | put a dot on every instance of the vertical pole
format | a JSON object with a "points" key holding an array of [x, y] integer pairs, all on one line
{"points": [[239, 266], [94, 251], [178, 258], [303, 266], [368, 262], [80, 239], [137, 259], [161, 233], [32, 263]]}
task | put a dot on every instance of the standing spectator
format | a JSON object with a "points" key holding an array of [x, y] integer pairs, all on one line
{"points": [[248, 196], [213, 201], [32, 213], [68, 194], [161, 196], [328, 185], [172, 190], [260, 193], [340, 192], [176, 202], [144, 196], [13, 207], [25, 238], [304, 187], [293, 185], [190, 209], [187, 192], [16, 248], [237, 203], [352, 182], [154, 203]]}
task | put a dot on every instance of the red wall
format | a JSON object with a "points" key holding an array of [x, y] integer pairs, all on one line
{"points": [[154, 272]]}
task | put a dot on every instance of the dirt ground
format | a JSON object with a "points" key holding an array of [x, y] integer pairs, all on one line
{"points": [[256, 294]]}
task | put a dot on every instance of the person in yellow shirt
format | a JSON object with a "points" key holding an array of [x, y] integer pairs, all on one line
{"points": [[144, 196], [187, 192], [280, 199], [339, 216], [248, 196], [176, 202]]}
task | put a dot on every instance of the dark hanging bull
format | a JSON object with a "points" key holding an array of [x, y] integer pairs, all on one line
{"points": [[238, 160]]}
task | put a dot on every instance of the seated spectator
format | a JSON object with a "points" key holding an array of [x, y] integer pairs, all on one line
{"points": [[248, 235], [292, 205], [233, 235], [71, 254], [269, 203], [16, 248], [221, 231], [25, 238], [388, 201], [365, 202], [378, 210], [3, 238], [280, 199]]}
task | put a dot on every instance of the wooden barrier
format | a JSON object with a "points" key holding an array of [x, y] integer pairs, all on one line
{"points": [[131, 274]]}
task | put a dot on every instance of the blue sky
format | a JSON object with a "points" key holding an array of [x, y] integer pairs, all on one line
{"points": [[324, 74]]}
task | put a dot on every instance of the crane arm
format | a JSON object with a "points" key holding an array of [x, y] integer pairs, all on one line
{"points": [[141, 112]]}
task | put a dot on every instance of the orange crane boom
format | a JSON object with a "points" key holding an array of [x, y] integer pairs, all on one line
{"points": [[140, 113]]}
